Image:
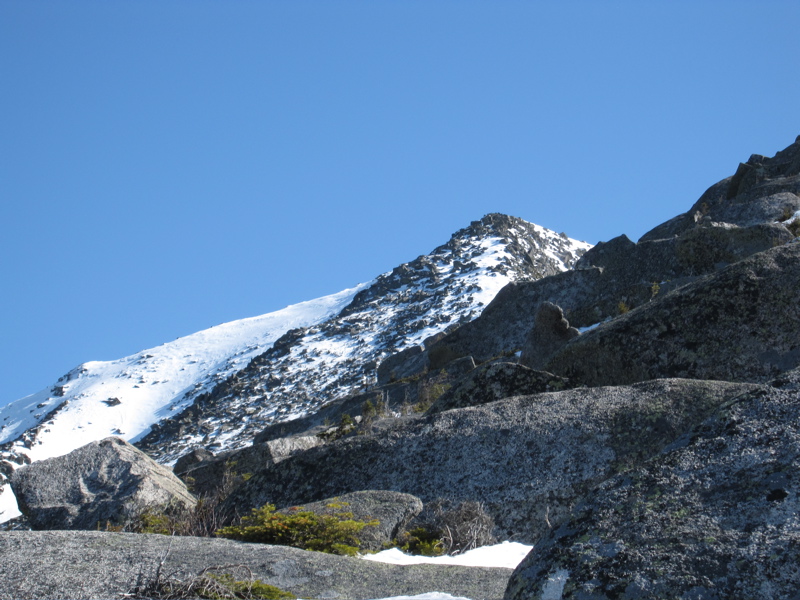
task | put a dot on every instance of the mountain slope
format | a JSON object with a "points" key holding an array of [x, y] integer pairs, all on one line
{"points": [[400, 309], [220, 386], [126, 396]]}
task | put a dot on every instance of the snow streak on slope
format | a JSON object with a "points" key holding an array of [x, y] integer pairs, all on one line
{"points": [[220, 387], [126, 396], [400, 309]]}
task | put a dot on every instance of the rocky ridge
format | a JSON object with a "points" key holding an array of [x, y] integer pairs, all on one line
{"points": [[522, 456], [307, 368]]}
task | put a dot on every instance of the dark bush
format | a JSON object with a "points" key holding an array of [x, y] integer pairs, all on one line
{"points": [[449, 528], [201, 521]]}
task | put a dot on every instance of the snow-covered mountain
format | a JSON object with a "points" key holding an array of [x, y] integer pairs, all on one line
{"points": [[219, 387]]}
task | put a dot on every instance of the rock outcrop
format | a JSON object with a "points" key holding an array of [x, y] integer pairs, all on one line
{"points": [[94, 564], [496, 381], [108, 481], [740, 324], [763, 190], [528, 459], [714, 516], [550, 332], [206, 476], [736, 218]]}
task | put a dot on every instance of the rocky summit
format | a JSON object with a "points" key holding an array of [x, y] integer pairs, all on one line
{"points": [[629, 409]]}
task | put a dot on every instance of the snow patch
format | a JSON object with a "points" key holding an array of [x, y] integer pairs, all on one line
{"points": [[506, 555], [8, 505]]}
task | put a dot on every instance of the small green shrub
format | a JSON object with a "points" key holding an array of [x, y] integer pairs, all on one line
{"points": [[421, 407], [334, 534], [622, 308], [368, 410], [422, 541], [346, 425], [251, 589], [215, 583], [654, 289]]}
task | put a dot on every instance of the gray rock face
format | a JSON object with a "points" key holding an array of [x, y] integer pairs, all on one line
{"points": [[550, 332], [761, 191], [609, 274], [191, 459], [714, 516], [712, 245], [206, 476], [109, 480], [392, 510], [528, 459], [93, 564], [495, 382], [741, 324], [503, 326], [407, 363], [720, 229]]}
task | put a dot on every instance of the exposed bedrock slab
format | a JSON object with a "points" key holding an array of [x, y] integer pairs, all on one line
{"points": [[715, 516], [94, 564], [529, 459]]}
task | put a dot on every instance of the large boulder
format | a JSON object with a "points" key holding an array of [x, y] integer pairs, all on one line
{"points": [[714, 516], [392, 510], [550, 332], [191, 459], [96, 564], [529, 459], [108, 481], [740, 324], [504, 324]]}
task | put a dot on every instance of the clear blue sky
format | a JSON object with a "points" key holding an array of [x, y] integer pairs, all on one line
{"points": [[167, 166]]}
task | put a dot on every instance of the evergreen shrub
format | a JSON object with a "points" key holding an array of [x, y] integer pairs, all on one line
{"points": [[335, 533]]}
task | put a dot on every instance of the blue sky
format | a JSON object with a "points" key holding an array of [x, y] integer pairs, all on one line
{"points": [[167, 166]]}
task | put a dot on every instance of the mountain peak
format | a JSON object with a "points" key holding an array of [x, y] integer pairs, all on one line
{"points": [[221, 386]]}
